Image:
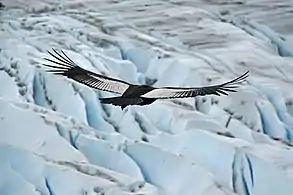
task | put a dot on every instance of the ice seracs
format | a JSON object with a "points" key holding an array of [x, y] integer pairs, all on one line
{"points": [[132, 94]]}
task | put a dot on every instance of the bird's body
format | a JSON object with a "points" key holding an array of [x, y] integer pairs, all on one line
{"points": [[137, 90], [132, 94]]}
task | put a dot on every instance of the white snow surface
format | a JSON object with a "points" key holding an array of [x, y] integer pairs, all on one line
{"points": [[57, 139]]}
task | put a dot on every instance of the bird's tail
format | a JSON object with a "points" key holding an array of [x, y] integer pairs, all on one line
{"points": [[117, 101], [121, 101]]}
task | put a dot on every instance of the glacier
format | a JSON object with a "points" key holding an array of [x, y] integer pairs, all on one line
{"points": [[56, 138]]}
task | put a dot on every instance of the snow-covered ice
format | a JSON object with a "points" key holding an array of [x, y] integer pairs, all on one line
{"points": [[56, 138]]}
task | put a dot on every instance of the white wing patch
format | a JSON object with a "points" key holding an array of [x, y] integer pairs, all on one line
{"points": [[108, 85], [168, 93]]}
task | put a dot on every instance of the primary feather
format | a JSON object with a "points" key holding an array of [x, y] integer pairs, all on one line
{"points": [[63, 65]]}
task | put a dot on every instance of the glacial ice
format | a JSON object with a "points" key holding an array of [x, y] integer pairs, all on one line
{"points": [[57, 138]]}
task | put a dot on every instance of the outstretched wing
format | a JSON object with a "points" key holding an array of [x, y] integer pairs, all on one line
{"points": [[174, 92], [66, 67]]}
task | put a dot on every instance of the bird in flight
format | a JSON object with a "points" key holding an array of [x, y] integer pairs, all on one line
{"points": [[132, 94]]}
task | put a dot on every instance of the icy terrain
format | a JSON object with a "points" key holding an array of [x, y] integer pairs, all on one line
{"points": [[57, 139]]}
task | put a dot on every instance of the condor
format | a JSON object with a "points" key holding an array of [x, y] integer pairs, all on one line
{"points": [[132, 94]]}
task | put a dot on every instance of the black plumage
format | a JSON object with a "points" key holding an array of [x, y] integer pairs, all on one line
{"points": [[132, 94]]}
